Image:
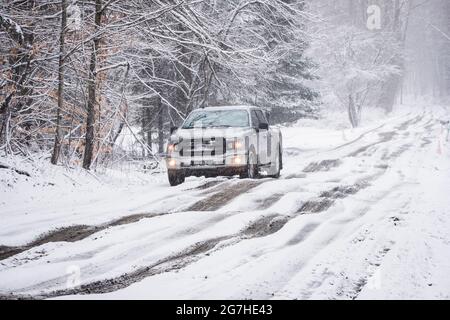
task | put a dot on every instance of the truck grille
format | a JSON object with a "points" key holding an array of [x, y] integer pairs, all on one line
{"points": [[203, 147]]}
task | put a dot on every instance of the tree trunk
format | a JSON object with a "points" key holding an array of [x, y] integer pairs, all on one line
{"points": [[160, 126], [352, 112], [23, 54], [149, 128], [58, 133], [92, 100]]}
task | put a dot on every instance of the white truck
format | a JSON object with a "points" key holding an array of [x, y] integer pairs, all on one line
{"points": [[224, 141]]}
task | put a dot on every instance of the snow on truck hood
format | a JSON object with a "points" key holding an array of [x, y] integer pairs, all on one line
{"points": [[233, 132]]}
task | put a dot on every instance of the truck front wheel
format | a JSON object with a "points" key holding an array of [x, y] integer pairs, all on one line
{"points": [[277, 164], [175, 178], [251, 171]]}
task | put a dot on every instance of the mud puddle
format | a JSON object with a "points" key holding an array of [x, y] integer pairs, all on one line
{"points": [[221, 198]]}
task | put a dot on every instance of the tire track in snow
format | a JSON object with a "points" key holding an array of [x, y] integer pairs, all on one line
{"points": [[353, 287], [79, 232], [365, 134], [72, 234], [171, 263], [326, 165], [221, 198], [269, 201], [385, 137], [272, 223], [262, 227]]}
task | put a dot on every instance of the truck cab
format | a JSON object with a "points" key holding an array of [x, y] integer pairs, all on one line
{"points": [[224, 141]]}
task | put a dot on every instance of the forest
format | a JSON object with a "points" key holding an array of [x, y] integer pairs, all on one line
{"points": [[75, 76]]}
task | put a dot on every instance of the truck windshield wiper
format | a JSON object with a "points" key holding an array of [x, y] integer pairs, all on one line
{"points": [[206, 127]]}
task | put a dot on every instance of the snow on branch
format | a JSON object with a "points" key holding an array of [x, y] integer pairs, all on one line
{"points": [[114, 66], [13, 29]]}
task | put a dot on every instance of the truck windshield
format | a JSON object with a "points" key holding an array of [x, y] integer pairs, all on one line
{"points": [[216, 119]]}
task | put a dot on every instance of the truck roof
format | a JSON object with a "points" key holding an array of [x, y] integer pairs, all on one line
{"points": [[238, 107]]}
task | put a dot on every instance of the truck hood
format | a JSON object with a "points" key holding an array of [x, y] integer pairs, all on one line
{"points": [[227, 133]]}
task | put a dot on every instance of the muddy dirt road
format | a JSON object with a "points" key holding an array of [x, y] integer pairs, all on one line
{"points": [[231, 238]]}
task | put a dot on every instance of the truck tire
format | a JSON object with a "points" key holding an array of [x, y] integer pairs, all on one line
{"points": [[175, 178], [281, 157], [251, 171], [278, 164]]}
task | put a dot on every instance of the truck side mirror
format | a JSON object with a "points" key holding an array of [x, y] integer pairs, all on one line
{"points": [[173, 129]]}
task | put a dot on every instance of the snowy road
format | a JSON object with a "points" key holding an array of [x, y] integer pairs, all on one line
{"points": [[359, 216]]}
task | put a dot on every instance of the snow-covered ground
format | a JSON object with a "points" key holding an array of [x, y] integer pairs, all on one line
{"points": [[361, 213]]}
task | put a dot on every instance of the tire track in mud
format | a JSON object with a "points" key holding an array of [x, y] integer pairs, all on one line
{"points": [[324, 165], [328, 164], [224, 196], [303, 234], [295, 176], [357, 139], [405, 125], [80, 232], [265, 226], [72, 234], [262, 227], [211, 185], [430, 124], [221, 198], [326, 199], [388, 136], [171, 263], [395, 154], [385, 137], [269, 201], [272, 223], [425, 141], [357, 285], [67, 234]]}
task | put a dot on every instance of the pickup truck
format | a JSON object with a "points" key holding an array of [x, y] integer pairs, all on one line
{"points": [[224, 141]]}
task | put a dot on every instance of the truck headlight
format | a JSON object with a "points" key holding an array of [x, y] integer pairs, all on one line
{"points": [[236, 144], [171, 147]]}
